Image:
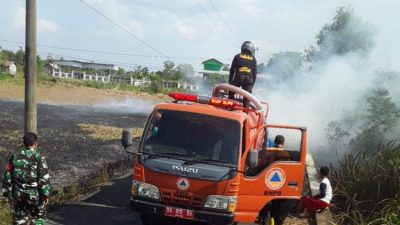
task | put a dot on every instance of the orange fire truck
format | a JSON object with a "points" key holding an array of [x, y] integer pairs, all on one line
{"points": [[209, 159]]}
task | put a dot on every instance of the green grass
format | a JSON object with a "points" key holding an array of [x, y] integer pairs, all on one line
{"points": [[367, 187], [6, 77]]}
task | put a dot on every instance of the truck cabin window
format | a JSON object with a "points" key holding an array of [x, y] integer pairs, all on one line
{"points": [[281, 145], [194, 135]]}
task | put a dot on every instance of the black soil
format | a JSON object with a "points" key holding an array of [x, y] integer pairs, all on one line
{"points": [[73, 156]]}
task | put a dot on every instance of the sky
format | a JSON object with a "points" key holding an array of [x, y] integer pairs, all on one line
{"points": [[188, 31]]}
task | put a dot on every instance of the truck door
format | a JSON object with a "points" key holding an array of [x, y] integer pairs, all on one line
{"points": [[279, 174]]}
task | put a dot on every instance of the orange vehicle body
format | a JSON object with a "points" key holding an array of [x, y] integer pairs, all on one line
{"points": [[254, 194]]}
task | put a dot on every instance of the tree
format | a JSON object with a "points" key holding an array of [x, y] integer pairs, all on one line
{"points": [[39, 63], [20, 57], [382, 115], [120, 71], [184, 71], [335, 132], [155, 86], [284, 65], [145, 71], [381, 109], [168, 70], [7, 55], [137, 72], [347, 33]]}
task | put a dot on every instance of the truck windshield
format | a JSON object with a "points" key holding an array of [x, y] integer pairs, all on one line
{"points": [[192, 136]]}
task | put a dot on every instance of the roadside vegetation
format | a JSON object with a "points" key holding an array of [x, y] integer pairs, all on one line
{"points": [[367, 190], [365, 141], [366, 176]]}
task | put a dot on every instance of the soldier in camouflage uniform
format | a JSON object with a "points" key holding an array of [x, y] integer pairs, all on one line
{"points": [[26, 183]]}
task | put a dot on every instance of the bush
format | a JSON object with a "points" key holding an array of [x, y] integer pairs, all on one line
{"points": [[367, 187]]}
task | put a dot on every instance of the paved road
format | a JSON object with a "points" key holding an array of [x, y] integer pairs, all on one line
{"points": [[110, 206]]}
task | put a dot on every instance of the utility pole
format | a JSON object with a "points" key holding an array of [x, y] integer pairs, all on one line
{"points": [[30, 67]]}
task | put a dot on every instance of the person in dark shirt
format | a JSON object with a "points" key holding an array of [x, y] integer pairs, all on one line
{"points": [[243, 72]]}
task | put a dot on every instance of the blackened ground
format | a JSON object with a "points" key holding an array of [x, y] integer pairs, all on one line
{"points": [[75, 158]]}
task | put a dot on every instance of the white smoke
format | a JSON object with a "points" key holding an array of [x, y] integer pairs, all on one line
{"points": [[333, 88], [315, 98], [128, 105]]}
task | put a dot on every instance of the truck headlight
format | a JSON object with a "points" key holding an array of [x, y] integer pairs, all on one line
{"points": [[227, 203], [145, 190]]}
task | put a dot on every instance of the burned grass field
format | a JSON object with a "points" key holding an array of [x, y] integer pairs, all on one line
{"points": [[81, 143]]}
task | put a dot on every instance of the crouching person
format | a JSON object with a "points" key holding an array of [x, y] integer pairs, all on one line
{"points": [[26, 183], [311, 204]]}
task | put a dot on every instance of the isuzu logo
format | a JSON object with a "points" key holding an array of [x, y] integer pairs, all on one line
{"points": [[185, 169]]}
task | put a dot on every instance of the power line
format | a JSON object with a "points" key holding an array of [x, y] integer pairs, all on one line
{"points": [[124, 29], [203, 23], [195, 15], [212, 21], [107, 52], [223, 20]]}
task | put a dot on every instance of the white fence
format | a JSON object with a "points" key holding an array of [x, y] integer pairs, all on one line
{"points": [[108, 78]]}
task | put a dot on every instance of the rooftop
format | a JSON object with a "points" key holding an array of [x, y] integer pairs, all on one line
{"points": [[85, 65]]}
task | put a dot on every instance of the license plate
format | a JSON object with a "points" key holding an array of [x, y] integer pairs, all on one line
{"points": [[180, 213]]}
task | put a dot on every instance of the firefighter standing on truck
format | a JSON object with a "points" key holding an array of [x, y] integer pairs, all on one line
{"points": [[243, 71]]}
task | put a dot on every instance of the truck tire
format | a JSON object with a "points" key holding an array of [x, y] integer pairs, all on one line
{"points": [[280, 210], [266, 219]]}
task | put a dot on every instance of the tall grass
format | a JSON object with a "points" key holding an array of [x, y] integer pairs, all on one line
{"points": [[367, 187]]}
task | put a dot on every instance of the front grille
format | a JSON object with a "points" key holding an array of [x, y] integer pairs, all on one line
{"points": [[182, 199]]}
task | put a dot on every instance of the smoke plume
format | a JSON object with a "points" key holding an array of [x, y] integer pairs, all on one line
{"points": [[336, 77]]}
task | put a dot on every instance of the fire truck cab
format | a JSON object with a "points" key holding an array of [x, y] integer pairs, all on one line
{"points": [[211, 160]]}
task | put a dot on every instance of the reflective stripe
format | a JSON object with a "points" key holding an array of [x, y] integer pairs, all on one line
{"points": [[244, 69], [248, 57]]}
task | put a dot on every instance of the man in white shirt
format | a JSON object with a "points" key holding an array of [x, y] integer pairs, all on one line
{"points": [[321, 201]]}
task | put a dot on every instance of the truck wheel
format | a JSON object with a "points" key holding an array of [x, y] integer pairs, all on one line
{"points": [[149, 219], [266, 219]]}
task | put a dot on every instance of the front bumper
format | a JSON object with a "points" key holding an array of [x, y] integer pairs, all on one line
{"points": [[147, 207]]}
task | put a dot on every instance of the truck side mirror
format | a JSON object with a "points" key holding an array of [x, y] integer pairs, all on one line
{"points": [[126, 139], [252, 159]]}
